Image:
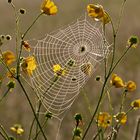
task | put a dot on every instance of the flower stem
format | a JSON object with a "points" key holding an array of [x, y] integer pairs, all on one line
{"points": [[40, 103], [4, 95], [98, 104], [120, 16], [44, 124], [118, 61], [123, 100], [31, 128], [31, 25], [75, 130], [21, 44], [32, 108], [5, 133], [96, 135], [87, 101], [137, 130]]}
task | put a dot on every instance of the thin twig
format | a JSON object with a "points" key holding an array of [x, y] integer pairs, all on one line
{"points": [[32, 108], [4, 95], [75, 130], [87, 101], [137, 132], [3, 135], [31, 128], [44, 124], [120, 16], [2, 128], [96, 135], [31, 25]]}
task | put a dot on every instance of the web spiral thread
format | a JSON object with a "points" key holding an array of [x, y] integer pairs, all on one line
{"points": [[80, 43]]}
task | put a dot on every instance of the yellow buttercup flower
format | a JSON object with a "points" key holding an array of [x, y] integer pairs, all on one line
{"points": [[104, 119], [58, 70], [121, 117], [17, 129], [130, 86], [48, 7], [117, 81], [8, 57], [29, 65], [97, 12], [136, 104]]}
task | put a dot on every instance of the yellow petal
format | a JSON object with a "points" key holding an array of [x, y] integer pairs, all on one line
{"points": [[121, 117], [104, 119], [56, 68], [20, 131], [53, 10], [117, 81], [8, 57], [95, 10], [13, 129], [130, 86], [136, 104], [48, 7], [29, 65]]}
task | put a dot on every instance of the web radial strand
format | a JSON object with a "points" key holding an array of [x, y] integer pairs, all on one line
{"points": [[81, 43]]}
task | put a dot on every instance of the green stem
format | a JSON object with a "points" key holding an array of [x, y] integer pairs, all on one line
{"points": [[96, 135], [114, 43], [31, 25], [87, 101], [118, 61], [102, 134], [21, 44], [37, 114], [115, 32], [110, 102], [40, 103], [120, 16], [17, 26], [18, 60], [106, 78], [31, 128], [32, 108], [113, 53], [4, 95], [123, 100], [75, 130], [96, 109], [137, 130], [116, 132], [104, 84], [5, 133], [44, 124]]}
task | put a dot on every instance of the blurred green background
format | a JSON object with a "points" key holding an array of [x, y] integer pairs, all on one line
{"points": [[15, 109]]}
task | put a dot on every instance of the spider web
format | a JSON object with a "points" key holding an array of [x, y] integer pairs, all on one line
{"points": [[80, 42]]}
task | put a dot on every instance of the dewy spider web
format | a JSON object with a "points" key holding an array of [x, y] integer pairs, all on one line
{"points": [[81, 43]]}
